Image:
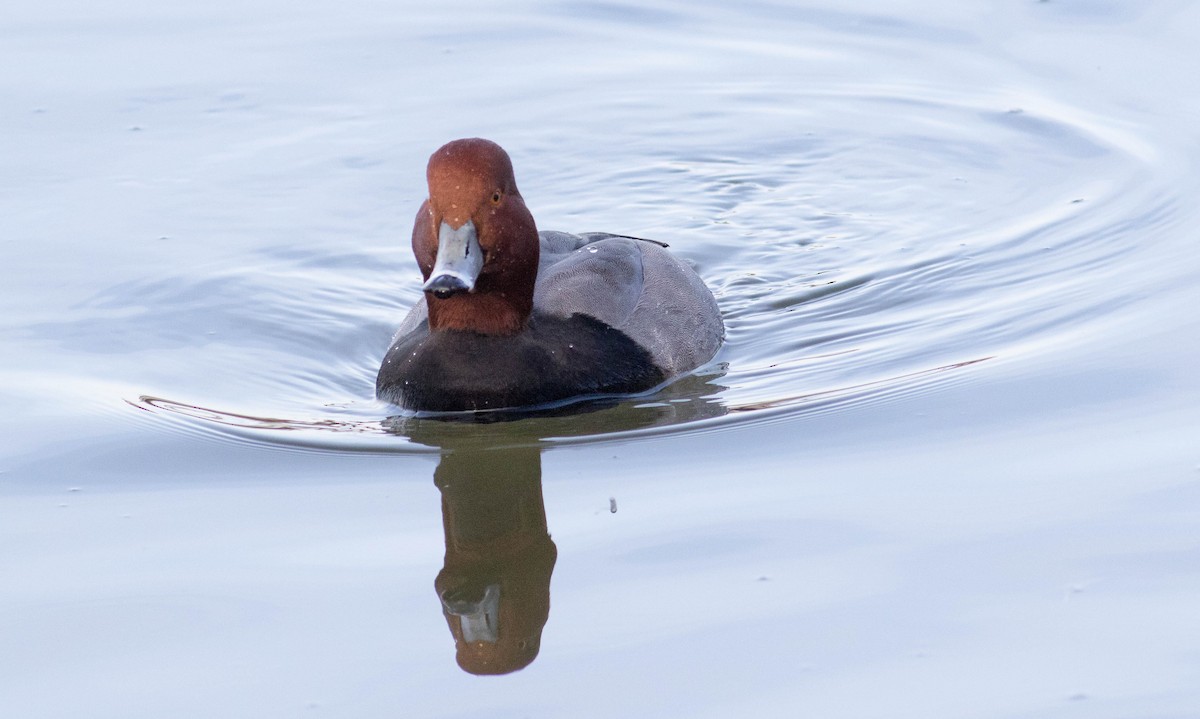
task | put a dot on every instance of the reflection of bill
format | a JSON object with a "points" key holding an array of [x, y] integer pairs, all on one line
{"points": [[495, 582]]}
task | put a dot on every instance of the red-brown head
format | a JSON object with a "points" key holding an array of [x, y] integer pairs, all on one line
{"points": [[475, 241]]}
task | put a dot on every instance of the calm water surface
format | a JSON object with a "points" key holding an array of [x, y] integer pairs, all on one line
{"points": [[947, 464]]}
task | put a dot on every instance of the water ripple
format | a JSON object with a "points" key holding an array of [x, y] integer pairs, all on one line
{"points": [[855, 263]]}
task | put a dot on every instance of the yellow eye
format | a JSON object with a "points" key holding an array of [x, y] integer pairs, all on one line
{"points": [[496, 197]]}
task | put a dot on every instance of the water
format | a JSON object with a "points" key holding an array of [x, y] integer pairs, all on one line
{"points": [[946, 464]]}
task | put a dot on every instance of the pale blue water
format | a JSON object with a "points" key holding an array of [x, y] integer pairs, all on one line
{"points": [[946, 465]]}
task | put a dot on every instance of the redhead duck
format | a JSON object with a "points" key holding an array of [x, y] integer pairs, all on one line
{"points": [[513, 317]]}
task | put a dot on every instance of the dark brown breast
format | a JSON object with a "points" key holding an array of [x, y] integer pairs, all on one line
{"points": [[551, 361]]}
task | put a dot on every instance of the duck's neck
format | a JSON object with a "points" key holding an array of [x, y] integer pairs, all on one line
{"points": [[487, 313]]}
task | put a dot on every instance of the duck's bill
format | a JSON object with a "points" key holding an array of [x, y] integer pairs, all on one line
{"points": [[459, 261]]}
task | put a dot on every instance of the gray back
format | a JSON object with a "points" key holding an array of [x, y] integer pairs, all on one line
{"points": [[635, 286]]}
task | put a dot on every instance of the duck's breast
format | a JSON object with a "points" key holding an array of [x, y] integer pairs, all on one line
{"points": [[553, 360]]}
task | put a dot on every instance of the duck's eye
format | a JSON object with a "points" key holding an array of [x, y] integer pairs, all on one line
{"points": [[496, 197]]}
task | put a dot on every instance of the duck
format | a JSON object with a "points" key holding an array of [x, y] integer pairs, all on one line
{"points": [[513, 318]]}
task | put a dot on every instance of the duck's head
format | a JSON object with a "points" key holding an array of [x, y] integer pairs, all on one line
{"points": [[475, 241]]}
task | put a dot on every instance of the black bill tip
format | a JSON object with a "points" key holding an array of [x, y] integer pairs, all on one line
{"points": [[444, 286]]}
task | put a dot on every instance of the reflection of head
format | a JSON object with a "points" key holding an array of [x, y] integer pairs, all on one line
{"points": [[495, 584]]}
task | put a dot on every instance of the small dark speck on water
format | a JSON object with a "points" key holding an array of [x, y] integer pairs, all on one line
{"points": [[764, 578], [135, 128], [1077, 697], [612, 505], [1077, 201]]}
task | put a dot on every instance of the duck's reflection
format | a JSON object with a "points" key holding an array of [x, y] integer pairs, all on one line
{"points": [[494, 587], [495, 583]]}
